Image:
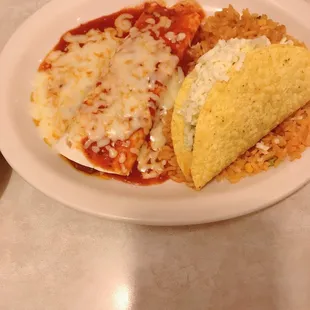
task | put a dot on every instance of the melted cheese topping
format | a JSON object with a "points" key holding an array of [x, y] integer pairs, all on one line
{"points": [[75, 154], [148, 163], [211, 68], [123, 23], [120, 104], [167, 98], [173, 37], [61, 88]]}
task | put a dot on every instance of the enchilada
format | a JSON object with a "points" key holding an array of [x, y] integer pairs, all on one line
{"points": [[116, 118]]}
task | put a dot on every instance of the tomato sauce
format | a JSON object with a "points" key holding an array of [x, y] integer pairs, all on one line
{"points": [[134, 178], [101, 24]]}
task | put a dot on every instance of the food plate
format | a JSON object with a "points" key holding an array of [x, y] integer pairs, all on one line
{"points": [[164, 204]]}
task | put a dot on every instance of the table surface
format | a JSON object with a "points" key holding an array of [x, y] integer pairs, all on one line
{"points": [[55, 258]]}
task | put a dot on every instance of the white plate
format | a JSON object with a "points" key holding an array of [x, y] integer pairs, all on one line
{"points": [[166, 204]]}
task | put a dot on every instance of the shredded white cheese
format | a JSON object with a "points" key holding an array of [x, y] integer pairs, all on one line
{"points": [[181, 36], [148, 163], [112, 151], [123, 22], [151, 21], [211, 68], [171, 36], [95, 149], [122, 158], [101, 143], [263, 147], [297, 118], [285, 40]]}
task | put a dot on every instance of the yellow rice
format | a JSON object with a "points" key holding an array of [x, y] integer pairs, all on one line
{"points": [[288, 140]]}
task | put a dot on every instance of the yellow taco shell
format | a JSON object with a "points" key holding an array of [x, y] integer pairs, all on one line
{"points": [[273, 83]]}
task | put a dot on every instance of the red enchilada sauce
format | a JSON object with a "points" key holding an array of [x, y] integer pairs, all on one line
{"points": [[134, 178], [101, 24]]}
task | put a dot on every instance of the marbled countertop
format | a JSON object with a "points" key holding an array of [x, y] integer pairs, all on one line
{"points": [[55, 258]]}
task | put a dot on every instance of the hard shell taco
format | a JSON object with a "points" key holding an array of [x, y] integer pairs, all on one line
{"points": [[238, 92]]}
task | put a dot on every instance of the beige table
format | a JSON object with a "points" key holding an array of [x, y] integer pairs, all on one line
{"points": [[54, 258]]}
